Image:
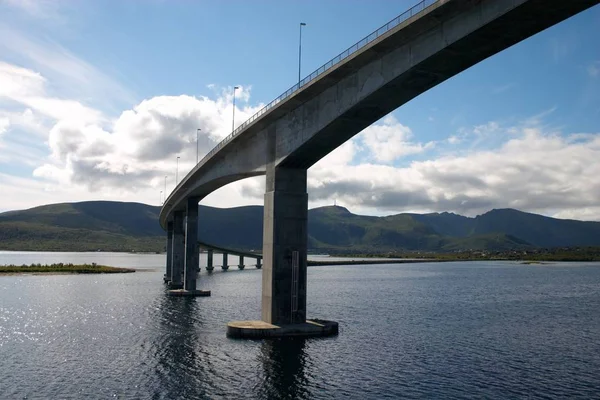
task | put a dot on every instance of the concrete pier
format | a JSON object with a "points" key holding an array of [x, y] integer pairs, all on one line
{"points": [[189, 293], [168, 272], [284, 247], [285, 240], [241, 265], [192, 256], [258, 263], [209, 260], [224, 267], [264, 330], [178, 255]]}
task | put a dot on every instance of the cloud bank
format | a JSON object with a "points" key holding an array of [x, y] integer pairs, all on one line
{"points": [[384, 169]]}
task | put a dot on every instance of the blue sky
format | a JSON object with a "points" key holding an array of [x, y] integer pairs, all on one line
{"points": [[85, 80]]}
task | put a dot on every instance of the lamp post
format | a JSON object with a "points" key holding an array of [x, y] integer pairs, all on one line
{"points": [[233, 119], [160, 198], [165, 187], [197, 135], [177, 172], [300, 53]]}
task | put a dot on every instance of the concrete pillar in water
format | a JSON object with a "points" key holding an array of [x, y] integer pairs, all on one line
{"points": [[178, 255], [284, 246], [209, 260], [225, 267], [167, 277], [192, 257], [241, 266], [284, 255]]}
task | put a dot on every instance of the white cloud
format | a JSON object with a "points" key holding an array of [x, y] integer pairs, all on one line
{"points": [[390, 140], [454, 139], [4, 124], [502, 88], [28, 88], [91, 153], [75, 77], [41, 9], [27, 121], [535, 171], [141, 146], [126, 158], [594, 69], [92, 156]]}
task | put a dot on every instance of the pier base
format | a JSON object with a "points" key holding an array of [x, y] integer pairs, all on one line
{"points": [[174, 286], [210, 269], [264, 330], [188, 293]]}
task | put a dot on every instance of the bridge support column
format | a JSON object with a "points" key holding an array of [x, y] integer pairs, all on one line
{"points": [[167, 277], [224, 267], [241, 265], [284, 254], [192, 255], [258, 263], [284, 247], [178, 246], [209, 260]]}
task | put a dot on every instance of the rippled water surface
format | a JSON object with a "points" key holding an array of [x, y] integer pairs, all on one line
{"points": [[454, 330]]}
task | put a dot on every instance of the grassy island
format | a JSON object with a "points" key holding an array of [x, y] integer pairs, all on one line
{"points": [[63, 269]]}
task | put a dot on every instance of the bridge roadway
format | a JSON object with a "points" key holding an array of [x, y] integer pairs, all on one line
{"points": [[421, 48]]}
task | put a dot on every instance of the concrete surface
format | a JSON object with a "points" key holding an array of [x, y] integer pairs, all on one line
{"points": [[169, 257], [192, 256], [188, 293], [284, 238], [225, 265], [178, 249], [264, 330], [209, 260]]}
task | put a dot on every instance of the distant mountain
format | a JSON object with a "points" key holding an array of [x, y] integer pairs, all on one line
{"points": [[85, 226], [448, 224], [115, 226], [538, 230]]}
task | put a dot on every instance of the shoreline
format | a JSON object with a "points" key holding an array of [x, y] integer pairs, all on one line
{"points": [[62, 269]]}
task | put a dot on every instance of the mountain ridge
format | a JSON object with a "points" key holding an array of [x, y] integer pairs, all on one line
{"points": [[126, 226]]}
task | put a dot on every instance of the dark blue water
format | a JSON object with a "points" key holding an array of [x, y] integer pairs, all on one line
{"points": [[456, 330]]}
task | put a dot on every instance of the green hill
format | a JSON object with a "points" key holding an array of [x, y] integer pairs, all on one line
{"points": [[116, 226], [538, 230], [86, 226]]}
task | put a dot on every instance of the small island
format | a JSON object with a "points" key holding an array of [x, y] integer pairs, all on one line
{"points": [[62, 268]]}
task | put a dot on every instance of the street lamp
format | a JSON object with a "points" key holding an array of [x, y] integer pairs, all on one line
{"points": [[177, 172], [197, 135], [300, 53], [233, 120], [160, 198], [165, 187]]}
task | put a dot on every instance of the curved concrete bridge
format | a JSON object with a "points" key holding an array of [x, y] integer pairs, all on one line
{"points": [[428, 44]]}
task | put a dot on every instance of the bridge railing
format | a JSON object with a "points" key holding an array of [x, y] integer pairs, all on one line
{"points": [[324, 68]]}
